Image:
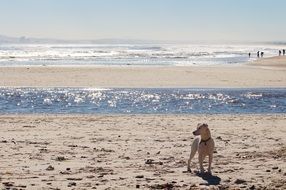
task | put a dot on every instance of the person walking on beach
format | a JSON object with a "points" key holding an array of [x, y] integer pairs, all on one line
{"points": [[249, 54], [258, 53], [262, 53], [279, 52], [283, 52]]}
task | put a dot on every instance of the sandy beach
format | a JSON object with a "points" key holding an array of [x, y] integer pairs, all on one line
{"points": [[108, 95], [139, 151], [269, 72]]}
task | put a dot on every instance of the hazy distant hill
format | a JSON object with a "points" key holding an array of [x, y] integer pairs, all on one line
{"points": [[6, 39], [27, 40]]}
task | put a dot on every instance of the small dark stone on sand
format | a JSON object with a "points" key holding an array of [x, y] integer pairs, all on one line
{"points": [[60, 158], [149, 161], [71, 184], [252, 187], [65, 172], [275, 168], [268, 170], [68, 169], [8, 184], [223, 187], [162, 186], [239, 181], [137, 186], [139, 176], [74, 179], [29, 126], [50, 168]]}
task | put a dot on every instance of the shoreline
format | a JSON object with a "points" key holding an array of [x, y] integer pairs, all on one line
{"points": [[139, 114], [111, 151], [259, 74]]}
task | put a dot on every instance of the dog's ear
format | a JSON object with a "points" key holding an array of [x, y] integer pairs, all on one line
{"points": [[208, 131], [205, 124]]}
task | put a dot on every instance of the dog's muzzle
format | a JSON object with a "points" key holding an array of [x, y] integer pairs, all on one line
{"points": [[195, 133]]}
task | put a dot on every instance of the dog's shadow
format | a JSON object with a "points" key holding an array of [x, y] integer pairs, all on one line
{"points": [[211, 179]]}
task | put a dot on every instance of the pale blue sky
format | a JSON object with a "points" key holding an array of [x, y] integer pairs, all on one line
{"points": [[215, 20]]}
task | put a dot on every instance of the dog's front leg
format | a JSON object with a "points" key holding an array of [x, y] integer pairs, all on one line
{"points": [[189, 165], [193, 152], [194, 149]]}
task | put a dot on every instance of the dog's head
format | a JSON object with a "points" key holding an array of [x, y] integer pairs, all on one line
{"points": [[202, 128]]}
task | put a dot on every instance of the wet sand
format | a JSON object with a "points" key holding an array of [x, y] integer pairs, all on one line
{"points": [[269, 72], [139, 151], [274, 62]]}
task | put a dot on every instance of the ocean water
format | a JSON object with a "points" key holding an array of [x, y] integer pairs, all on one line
{"points": [[141, 101], [136, 101], [130, 54]]}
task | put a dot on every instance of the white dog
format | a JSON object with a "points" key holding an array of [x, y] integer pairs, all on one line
{"points": [[204, 145]]}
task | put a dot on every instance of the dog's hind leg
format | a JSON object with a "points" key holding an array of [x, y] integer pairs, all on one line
{"points": [[194, 149], [210, 163], [201, 160]]}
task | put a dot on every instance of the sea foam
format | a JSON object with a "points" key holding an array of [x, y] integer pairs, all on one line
{"points": [[129, 54]]}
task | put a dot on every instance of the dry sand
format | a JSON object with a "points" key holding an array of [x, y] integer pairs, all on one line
{"points": [[270, 72], [147, 151]]}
